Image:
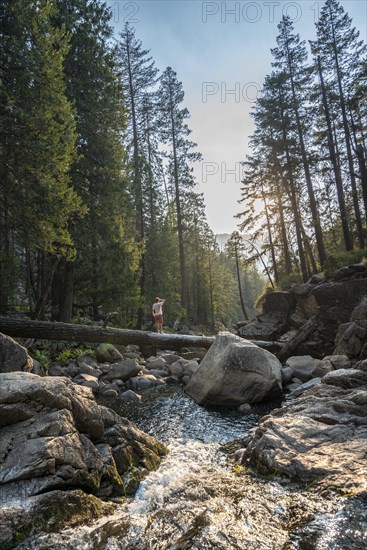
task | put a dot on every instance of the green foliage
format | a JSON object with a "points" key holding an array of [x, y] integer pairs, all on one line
{"points": [[43, 147], [72, 353], [261, 298], [239, 470], [286, 281], [43, 357], [339, 259]]}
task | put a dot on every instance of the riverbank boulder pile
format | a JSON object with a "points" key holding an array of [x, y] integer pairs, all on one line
{"points": [[319, 435], [56, 439], [309, 317], [122, 371]]}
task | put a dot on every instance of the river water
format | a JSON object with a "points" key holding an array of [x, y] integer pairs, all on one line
{"points": [[197, 500]]}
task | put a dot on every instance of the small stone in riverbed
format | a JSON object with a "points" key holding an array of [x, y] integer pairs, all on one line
{"points": [[87, 380], [87, 360], [123, 370], [130, 396], [158, 373], [303, 387], [110, 392], [177, 368], [245, 408], [141, 383], [303, 366], [157, 363], [287, 375], [340, 361], [170, 358], [171, 380], [108, 353], [190, 368]]}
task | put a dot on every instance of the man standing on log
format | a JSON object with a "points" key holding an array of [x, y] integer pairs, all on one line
{"points": [[157, 312]]}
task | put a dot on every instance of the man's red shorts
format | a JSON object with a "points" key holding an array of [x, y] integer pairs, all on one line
{"points": [[158, 319]]}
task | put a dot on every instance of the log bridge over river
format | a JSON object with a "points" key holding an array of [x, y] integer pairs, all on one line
{"points": [[45, 330]]}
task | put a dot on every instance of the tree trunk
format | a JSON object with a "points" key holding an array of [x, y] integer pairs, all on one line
{"points": [[283, 230], [271, 244], [309, 250], [338, 178], [311, 194], [24, 328], [211, 286], [66, 302], [94, 270], [40, 307], [293, 197], [348, 144], [137, 184], [152, 232], [184, 290], [4, 255], [358, 148], [243, 307], [363, 173]]}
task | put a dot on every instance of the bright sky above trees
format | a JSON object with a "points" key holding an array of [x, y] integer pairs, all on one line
{"points": [[221, 53]]}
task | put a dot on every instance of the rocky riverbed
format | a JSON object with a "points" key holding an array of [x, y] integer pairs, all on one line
{"points": [[200, 499], [66, 457]]}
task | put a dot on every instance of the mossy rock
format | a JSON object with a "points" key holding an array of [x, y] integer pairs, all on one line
{"points": [[50, 512]]}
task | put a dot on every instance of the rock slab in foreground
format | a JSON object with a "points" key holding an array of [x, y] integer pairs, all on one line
{"points": [[54, 436], [235, 371], [322, 435]]}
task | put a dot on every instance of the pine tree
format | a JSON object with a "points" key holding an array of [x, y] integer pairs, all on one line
{"points": [[139, 76], [333, 155], [174, 133], [104, 273], [235, 248], [37, 147], [290, 57], [340, 55]]}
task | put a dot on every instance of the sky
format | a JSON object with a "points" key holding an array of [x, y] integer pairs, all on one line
{"points": [[221, 53]]}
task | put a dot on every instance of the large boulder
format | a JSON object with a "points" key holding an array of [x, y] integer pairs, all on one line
{"points": [[13, 356], [321, 435], [49, 512], [53, 435], [235, 371]]}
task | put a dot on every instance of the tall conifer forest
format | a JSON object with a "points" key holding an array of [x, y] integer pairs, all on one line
{"points": [[99, 208], [307, 165]]}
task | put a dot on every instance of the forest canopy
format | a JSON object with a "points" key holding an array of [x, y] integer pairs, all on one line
{"points": [[99, 208]]}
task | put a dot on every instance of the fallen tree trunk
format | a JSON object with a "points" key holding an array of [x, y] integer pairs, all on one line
{"points": [[44, 330]]}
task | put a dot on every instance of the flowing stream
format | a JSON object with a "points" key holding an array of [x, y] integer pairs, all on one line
{"points": [[196, 500]]}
